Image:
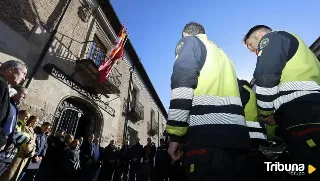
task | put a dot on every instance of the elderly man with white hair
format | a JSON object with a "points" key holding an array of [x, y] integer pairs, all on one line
{"points": [[12, 73]]}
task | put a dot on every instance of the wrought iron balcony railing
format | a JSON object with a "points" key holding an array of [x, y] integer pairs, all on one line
{"points": [[136, 110], [137, 107], [152, 127], [148, 126], [97, 56], [95, 53], [155, 127]]}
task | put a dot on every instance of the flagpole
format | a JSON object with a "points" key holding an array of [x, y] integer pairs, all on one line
{"points": [[114, 56], [158, 129], [125, 131], [126, 120], [119, 58], [131, 70]]}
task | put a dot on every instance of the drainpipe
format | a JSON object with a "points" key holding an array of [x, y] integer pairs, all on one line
{"points": [[125, 130], [158, 129], [151, 130], [47, 46]]}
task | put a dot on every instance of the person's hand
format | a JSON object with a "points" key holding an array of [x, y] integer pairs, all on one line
{"points": [[36, 159], [174, 151], [269, 120], [2, 148]]}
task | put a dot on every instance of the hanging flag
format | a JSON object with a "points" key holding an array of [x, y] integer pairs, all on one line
{"points": [[116, 53]]}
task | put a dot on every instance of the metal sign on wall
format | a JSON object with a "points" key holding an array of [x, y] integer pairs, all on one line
{"points": [[63, 77]]}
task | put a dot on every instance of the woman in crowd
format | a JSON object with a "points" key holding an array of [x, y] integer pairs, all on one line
{"points": [[68, 138], [26, 151]]}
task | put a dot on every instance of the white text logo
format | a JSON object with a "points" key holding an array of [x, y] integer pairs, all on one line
{"points": [[292, 169]]}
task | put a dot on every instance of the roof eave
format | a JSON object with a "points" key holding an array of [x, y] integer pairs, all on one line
{"points": [[116, 24]]}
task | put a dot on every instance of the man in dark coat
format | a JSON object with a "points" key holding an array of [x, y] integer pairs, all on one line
{"points": [[123, 168], [50, 165], [87, 156], [110, 163], [162, 162], [70, 163], [11, 73], [97, 159], [9, 127], [135, 155], [148, 159]]}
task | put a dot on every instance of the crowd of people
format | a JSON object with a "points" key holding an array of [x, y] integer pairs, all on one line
{"points": [[30, 152], [61, 157]]}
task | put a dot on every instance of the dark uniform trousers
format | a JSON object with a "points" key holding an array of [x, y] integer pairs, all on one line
{"points": [[207, 163], [250, 166], [303, 139]]}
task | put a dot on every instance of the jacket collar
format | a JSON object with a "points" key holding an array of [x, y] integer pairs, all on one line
{"points": [[202, 36]]}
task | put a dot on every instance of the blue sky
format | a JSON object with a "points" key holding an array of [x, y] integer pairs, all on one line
{"points": [[155, 28]]}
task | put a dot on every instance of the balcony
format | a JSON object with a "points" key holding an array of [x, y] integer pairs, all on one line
{"points": [[136, 110], [152, 127], [93, 58]]}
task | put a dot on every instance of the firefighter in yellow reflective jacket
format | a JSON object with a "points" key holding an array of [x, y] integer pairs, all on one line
{"points": [[273, 131], [254, 159], [287, 85], [21, 137], [20, 124], [257, 131], [205, 108], [23, 116]]}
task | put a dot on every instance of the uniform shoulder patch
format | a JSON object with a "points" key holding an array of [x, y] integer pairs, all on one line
{"points": [[179, 46], [264, 42]]}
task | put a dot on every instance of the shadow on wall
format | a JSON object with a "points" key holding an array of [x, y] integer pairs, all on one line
{"points": [[19, 15], [61, 55], [22, 16], [31, 26], [64, 53], [26, 29], [65, 49]]}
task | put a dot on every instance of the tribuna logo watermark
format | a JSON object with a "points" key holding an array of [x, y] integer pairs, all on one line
{"points": [[292, 169]]}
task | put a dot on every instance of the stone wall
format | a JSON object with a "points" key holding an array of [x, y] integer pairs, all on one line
{"points": [[23, 36]]}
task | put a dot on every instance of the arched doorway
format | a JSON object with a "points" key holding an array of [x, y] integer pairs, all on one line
{"points": [[77, 117]]}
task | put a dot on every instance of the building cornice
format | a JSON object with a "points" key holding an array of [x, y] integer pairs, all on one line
{"points": [[315, 44], [106, 12]]}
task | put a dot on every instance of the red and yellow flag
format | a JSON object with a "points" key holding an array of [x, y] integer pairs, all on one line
{"points": [[116, 53]]}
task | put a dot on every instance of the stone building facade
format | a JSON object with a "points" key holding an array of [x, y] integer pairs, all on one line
{"points": [[65, 90]]}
